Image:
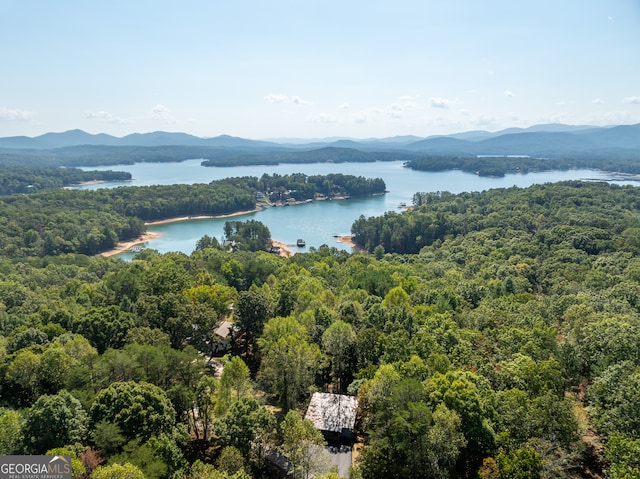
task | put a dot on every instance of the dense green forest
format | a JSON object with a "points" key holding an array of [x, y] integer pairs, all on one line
{"points": [[501, 165], [88, 222], [25, 179], [299, 186], [100, 155], [328, 154], [503, 344], [559, 215]]}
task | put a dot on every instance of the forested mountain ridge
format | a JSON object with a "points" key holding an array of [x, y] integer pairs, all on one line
{"points": [[602, 147], [621, 136], [505, 346], [545, 144], [157, 138]]}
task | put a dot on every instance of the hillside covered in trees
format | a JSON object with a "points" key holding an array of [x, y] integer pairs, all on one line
{"points": [[24, 179], [60, 221], [499, 166], [489, 335]]}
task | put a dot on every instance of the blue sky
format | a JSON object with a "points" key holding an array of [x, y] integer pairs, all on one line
{"points": [[307, 68]]}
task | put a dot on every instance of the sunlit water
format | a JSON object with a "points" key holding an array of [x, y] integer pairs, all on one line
{"points": [[317, 223]]}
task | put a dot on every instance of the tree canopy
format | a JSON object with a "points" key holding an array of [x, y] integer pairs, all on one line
{"points": [[490, 334]]}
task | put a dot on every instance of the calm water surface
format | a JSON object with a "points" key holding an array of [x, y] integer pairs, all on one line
{"points": [[317, 222]]}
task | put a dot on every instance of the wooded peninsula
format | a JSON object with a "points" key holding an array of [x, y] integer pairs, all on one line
{"points": [[488, 335]]}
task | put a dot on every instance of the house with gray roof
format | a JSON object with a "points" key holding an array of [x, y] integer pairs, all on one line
{"points": [[333, 414]]}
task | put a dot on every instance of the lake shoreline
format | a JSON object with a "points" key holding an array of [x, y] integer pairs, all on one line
{"points": [[123, 246], [200, 217], [286, 250], [320, 225]]}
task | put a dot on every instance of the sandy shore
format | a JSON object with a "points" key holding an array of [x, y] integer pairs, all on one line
{"points": [[125, 245], [348, 240], [285, 249], [84, 183], [201, 217]]}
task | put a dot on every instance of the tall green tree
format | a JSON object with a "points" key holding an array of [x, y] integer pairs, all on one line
{"points": [[11, 425], [206, 396], [409, 440], [303, 445], [470, 396], [54, 421], [22, 372], [140, 410], [247, 426], [612, 400], [524, 463], [289, 369], [118, 471], [105, 327], [338, 343], [234, 383], [251, 312]]}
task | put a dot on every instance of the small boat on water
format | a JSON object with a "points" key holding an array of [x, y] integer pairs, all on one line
{"points": [[301, 243], [402, 205]]}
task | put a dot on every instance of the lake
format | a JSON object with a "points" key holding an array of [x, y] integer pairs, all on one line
{"points": [[317, 222]]}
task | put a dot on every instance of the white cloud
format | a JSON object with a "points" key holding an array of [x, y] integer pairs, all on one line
{"points": [[299, 101], [324, 118], [597, 101], [276, 98], [509, 93], [613, 118], [394, 111], [409, 98], [9, 114], [361, 117], [282, 98], [632, 99], [437, 102], [483, 120], [376, 110], [397, 109], [162, 113], [343, 106], [107, 117]]}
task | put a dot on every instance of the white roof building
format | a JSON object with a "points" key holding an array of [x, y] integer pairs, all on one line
{"points": [[333, 413]]}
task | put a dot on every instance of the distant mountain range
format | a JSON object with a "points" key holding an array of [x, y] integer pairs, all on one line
{"points": [[542, 141], [157, 138]]}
